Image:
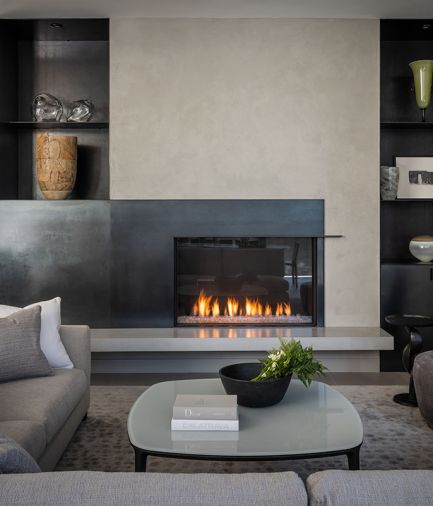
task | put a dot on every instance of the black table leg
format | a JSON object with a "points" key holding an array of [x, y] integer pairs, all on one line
{"points": [[412, 349], [353, 459], [140, 460]]}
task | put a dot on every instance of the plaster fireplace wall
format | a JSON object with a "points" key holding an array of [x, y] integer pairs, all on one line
{"points": [[257, 109]]}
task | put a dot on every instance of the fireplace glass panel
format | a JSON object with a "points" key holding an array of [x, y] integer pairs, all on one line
{"points": [[245, 281]]}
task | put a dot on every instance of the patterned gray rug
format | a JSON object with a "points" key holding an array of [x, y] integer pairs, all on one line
{"points": [[395, 437]]}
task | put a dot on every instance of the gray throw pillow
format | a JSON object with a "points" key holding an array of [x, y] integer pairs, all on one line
{"points": [[20, 351], [14, 459]]}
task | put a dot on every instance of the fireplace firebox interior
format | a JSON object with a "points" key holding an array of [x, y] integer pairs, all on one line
{"points": [[245, 281]]}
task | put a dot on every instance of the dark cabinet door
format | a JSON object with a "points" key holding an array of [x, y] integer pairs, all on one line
{"points": [[405, 289]]}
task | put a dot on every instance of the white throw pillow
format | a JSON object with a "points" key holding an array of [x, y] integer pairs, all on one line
{"points": [[51, 344]]}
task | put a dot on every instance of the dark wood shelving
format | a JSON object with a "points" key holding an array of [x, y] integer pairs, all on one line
{"points": [[407, 125], [400, 201], [56, 125], [406, 285]]}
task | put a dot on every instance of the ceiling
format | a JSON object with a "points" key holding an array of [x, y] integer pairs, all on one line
{"points": [[217, 8]]}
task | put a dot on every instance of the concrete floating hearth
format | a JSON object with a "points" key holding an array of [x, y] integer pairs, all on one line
{"points": [[207, 349]]}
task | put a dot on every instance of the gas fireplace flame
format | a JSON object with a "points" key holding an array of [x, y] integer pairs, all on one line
{"points": [[232, 307], [253, 307], [215, 308], [208, 305], [202, 306]]}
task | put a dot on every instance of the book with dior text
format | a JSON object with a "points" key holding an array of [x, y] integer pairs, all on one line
{"points": [[205, 407]]}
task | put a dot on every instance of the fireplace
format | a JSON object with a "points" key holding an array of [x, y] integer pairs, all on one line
{"points": [[245, 281]]}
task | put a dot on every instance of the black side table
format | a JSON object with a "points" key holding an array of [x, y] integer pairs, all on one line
{"points": [[410, 323]]}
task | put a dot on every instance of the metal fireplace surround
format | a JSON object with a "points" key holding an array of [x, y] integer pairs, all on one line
{"points": [[112, 262]]}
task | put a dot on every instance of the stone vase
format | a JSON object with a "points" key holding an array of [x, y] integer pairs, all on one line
{"points": [[56, 164], [389, 177]]}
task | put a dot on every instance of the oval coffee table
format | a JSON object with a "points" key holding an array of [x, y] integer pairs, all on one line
{"points": [[308, 423]]}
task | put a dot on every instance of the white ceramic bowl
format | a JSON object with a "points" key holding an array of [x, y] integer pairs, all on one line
{"points": [[421, 248]]}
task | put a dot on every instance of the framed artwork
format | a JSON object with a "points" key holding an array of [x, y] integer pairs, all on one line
{"points": [[416, 177]]}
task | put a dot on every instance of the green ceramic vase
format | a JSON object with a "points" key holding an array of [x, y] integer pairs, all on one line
{"points": [[422, 76]]}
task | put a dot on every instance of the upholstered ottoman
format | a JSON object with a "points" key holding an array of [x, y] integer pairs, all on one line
{"points": [[423, 379]]}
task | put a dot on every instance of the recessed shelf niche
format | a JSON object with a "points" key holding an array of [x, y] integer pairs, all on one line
{"points": [[67, 58]]}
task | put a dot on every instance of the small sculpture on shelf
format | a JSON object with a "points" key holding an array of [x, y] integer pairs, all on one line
{"points": [[47, 107], [389, 178], [81, 111]]}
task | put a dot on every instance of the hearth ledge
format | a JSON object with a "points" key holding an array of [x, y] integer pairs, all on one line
{"points": [[238, 339]]}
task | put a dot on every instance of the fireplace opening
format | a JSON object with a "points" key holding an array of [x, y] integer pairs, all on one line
{"points": [[245, 281]]}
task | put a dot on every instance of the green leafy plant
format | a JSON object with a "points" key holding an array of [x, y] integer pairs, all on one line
{"points": [[290, 358]]}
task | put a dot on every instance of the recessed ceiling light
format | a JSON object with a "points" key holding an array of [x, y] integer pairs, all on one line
{"points": [[426, 26], [56, 26]]}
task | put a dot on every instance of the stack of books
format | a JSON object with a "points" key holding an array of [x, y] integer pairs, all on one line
{"points": [[205, 412]]}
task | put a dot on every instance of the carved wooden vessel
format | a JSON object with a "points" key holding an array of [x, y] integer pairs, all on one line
{"points": [[56, 164]]}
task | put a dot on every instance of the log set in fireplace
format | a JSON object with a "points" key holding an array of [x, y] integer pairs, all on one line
{"points": [[245, 281]]}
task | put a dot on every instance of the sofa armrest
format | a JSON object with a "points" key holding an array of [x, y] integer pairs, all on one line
{"points": [[76, 339]]}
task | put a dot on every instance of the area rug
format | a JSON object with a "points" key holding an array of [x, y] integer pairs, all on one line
{"points": [[395, 437]]}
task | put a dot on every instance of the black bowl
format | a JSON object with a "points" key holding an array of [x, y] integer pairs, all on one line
{"points": [[236, 380]]}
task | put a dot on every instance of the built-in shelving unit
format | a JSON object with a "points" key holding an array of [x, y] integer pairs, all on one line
{"points": [[67, 58], [406, 285], [403, 201]]}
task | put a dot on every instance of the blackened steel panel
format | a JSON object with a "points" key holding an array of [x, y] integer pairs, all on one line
{"points": [[113, 262], [143, 234], [50, 249]]}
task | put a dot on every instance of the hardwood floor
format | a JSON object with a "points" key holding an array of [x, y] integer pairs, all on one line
{"points": [[332, 378]]}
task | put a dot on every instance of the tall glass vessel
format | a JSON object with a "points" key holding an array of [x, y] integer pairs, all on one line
{"points": [[422, 75]]}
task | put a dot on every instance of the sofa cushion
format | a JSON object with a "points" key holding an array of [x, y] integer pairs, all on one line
{"points": [[20, 351], [49, 400], [371, 488], [76, 488], [51, 342], [14, 459], [30, 435]]}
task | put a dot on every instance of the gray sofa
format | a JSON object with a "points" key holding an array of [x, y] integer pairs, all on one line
{"points": [[326, 488], [42, 414]]}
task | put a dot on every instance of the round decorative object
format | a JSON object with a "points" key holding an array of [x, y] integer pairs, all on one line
{"points": [[236, 380], [46, 107], [56, 164], [81, 111], [421, 248], [389, 177]]}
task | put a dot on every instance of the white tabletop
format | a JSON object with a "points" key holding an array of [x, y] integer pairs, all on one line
{"points": [[307, 421]]}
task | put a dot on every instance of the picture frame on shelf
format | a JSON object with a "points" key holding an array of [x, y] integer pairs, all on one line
{"points": [[416, 177]]}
